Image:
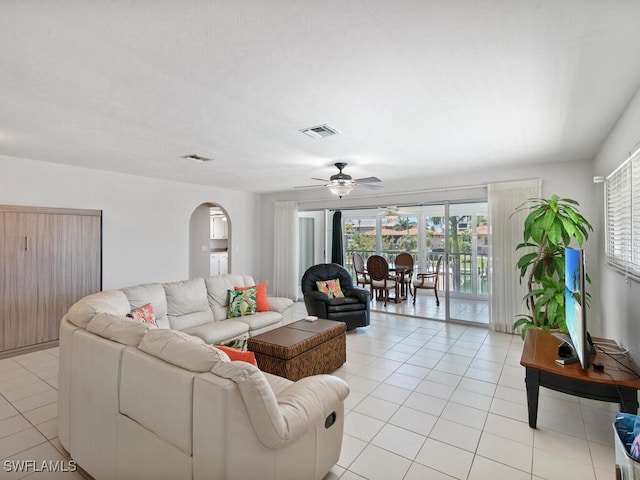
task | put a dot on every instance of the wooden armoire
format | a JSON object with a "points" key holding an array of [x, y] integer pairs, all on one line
{"points": [[49, 259]]}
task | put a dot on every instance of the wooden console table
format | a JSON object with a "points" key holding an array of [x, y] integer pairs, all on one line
{"points": [[614, 384]]}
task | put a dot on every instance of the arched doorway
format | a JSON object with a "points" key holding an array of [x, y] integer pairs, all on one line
{"points": [[209, 241]]}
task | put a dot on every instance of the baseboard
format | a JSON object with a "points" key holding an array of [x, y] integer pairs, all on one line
{"points": [[14, 352]]}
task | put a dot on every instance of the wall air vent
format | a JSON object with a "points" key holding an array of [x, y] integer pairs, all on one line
{"points": [[320, 131], [197, 158]]}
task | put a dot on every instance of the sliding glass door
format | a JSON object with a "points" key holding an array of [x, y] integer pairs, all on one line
{"points": [[467, 262], [456, 232]]}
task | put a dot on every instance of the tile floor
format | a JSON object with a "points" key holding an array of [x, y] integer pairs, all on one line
{"points": [[431, 400], [428, 400], [28, 411]]}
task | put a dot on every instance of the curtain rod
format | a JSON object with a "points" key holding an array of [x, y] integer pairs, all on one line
{"points": [[411, 192]]}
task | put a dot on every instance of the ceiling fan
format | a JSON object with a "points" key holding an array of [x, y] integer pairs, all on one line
{"points": [[341, 184]]}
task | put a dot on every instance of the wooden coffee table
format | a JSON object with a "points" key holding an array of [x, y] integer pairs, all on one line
{"points": [[301, 349]]}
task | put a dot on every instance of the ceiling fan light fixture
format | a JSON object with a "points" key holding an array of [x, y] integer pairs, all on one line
{"points": [[341, 183], [340, 188]]}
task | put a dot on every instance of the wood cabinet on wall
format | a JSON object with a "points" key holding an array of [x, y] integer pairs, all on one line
{"points": [[49, 259]]}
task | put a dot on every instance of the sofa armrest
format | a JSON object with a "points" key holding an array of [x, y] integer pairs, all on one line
{"points": [[317, 303], [279, 304], [309, 401], [359, 293], [279, 421], [317, 296]]}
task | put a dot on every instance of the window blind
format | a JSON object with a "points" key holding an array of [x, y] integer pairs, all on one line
{"points": [[622, 209]]}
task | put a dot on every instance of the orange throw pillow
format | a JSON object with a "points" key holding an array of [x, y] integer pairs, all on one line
{"points": [[235, 354], [262, 302]]}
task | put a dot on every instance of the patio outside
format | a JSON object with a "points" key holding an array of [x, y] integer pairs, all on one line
{"points": [[423, 235]]}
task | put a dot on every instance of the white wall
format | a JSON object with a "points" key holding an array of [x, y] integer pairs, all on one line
{"points": [[145, 220], [620, 305], [199, 239], [572, 179]]}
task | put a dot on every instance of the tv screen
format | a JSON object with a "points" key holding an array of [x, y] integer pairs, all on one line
{"points": [[575, 304]]}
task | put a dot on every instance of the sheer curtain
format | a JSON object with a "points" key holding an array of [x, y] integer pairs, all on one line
{"points": [[505, 289], [285, 250]]}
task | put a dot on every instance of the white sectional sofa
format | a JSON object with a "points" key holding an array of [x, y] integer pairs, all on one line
{"points": [[136, 401], [199, 307]]}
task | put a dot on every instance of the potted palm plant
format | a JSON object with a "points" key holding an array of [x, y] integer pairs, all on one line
{"points": [[550, 225]]}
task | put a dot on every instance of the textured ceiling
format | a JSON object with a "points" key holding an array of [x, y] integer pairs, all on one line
{"points": [[131, 86]]}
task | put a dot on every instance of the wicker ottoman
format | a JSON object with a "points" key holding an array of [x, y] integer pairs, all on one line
{"points": [[301, 349]]}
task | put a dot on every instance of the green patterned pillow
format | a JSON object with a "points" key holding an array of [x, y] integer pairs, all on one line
{"points": [[239, 343], [242, 302]]}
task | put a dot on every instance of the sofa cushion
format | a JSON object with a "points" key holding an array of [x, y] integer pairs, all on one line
{"points": [[143, 314], [238, 355], [158, 397], [119, 329], [181, 349], [152, 293], [330, 288], [241, 302], [108, 301], [345, 304], [187, 304], [216, 332], [260, 320], [279, 304], [217, 288], [239, 343], [262, 301]]}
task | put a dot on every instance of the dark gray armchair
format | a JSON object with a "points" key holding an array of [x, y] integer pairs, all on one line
{"points": [[353, 309]]}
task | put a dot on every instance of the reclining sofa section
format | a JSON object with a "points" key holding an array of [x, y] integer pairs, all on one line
{"points": [[136, 401]]}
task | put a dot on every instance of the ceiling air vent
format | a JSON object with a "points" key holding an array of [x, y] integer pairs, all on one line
{"points": [[320, 131], [197, 158]]}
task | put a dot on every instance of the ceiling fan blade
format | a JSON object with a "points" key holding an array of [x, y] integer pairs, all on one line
{"points": [[310, 186], [368, 185], [320, 180], [368, 180]]}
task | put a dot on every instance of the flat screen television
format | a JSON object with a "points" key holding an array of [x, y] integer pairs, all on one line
{"points": [[575, 305]]}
